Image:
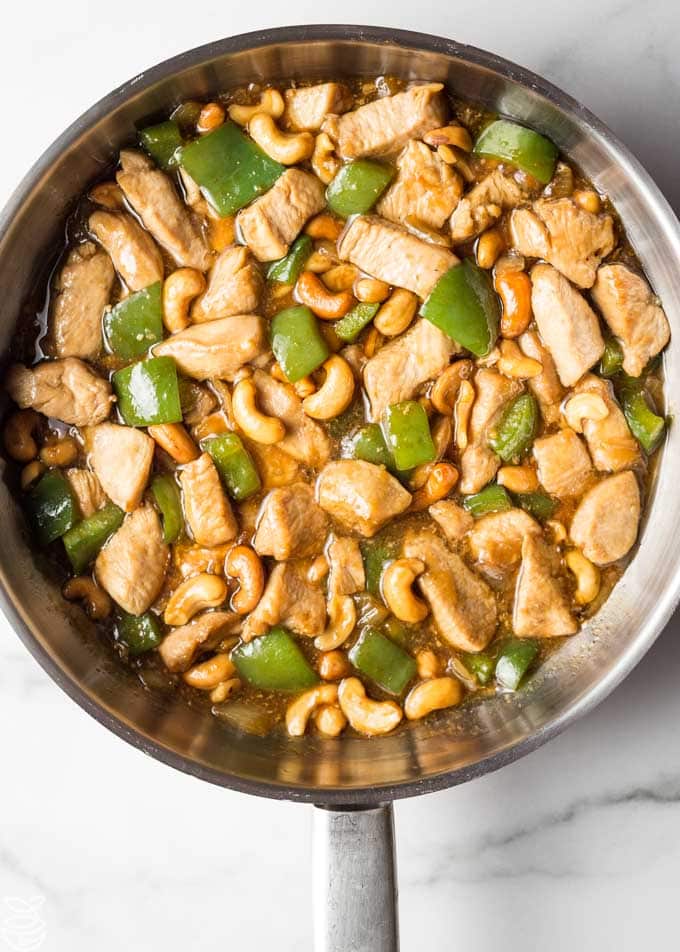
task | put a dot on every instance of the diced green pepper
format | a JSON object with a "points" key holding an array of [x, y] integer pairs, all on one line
{"points": [[397, 630], [166, 495], [298, 344], [85, 539], [612, 358], [493, 498], [383, 661], [481, 665], [139, 633], [358, 186], [230, 168], [148, 392], [407, 434], [376, 553], [516, 428], [646, 426], [538, 505], [369, 444], [514, 662], [465, 306], [526, 149], [51, 507], [273, 662], [234, 464], [352, 324], [287, 270], [186, 115], [132, 326], [163, 143]]}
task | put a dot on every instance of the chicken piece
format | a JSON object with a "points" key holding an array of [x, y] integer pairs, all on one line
{"points": [[206, 507], [360, 496], [568, 325], [290, 525], [484, 204], [347, 575], [155, 199], [121, 457], [87, 489], [179, 648], [390, 253], [308, 106], [234, 286], [405, 364], [565, 235], [275, 466], [135, 255], [563, 463], [270, 223], [546, 386], [289, 599], [217, 348], [611, 444], [384, 126], [305, 440], [541, 607], [633, 313], [605, 524], [81, 292], [462, 604], [496, 539], [64, 389], [479, 463], [454, 521], [131, 566], [426, 188]]}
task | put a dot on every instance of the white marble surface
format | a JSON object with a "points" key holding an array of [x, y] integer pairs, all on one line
{"points": [[575, 847]]}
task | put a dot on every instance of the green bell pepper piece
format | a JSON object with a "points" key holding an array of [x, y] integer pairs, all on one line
{"points": [[516, 429], [287, 270], [646, 426], [383, 661], [139, 633], [376, 553], [369, 444], [481, 665], [148, 392], [514, 661], [51, 507], [358, 186], [526, 149], [407, 434], [165, 492], [186, 115], [538, 505], [234, 464], [612, 358], [273, 662], [493, 498], [297, 342], [85, 539], [230, 168], [163, 143], [132, 326], [465, 306], [352, 324]]}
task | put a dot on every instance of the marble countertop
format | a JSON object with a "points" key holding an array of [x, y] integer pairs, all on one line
{"points": [[575, 847]]}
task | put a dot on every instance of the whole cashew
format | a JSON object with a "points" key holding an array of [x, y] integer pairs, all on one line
{"points": [[96, 601], [333, 665], [19, 435], [192, 596], [588, 200], [371, 291], [396, 313], [244, 564], [341, 277], [518, 479], [256, 426], [441, 480], [179, 290], [271, 103], [335, 393], [463, 409], [289, 148], [490, 245], [513, 363], [211, 117], [329, 720], [299, 712], [311, 291], [208, 674], [514, 289], [428, 664], [584, 406], [174, 439], [325, 162], [364, 715], [224, 690], [342, 616], [586, 574], [397, 580], [324, 226], [60, 453], [432, 695], [445, 388]]}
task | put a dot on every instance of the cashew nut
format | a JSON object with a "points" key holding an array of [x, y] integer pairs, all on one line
{"points": [[342, 617], [256, 426], [324, 226], [96, 601], [586, 574], [329, 720], [584, 406], [335, 393], [341, 277], [456, 136], [432, 695], [210, 117], [31, 472], [518, 479], [428, 664], [445, 388], [19, 435], [441, 480], [489, 247], [513, 363], [174, 439], [396, 313], [224, 690], [179, 289], [372, 342], [300, 710], [371, 291], [454, 156], [194, 595], [289, 148], [60, 453], [396, 583], [108, 195], [365, 715], [514, 290], [462, 410], [442, 434], [325, 162], [311, 291], [208, 674], [244, 564], [271, 103], [333, 665], [588, 200]]}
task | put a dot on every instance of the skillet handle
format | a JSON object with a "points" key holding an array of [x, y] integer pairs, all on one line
{"points": [[355, 881]]}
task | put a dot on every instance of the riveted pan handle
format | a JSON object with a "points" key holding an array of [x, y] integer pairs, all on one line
{"points": [[355, 881]]}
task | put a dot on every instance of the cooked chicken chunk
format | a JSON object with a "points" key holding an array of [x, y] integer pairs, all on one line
{"points": [[546, 386], [496, 539], [135, 255], [347, 575], [567, 324], [289, 599], [605, 524], [463, 606], [217, 348], [305, 440], [611, 444], [402, 366], [566, 236], [155, 199], [308, 106], [64, 389], [87, 489], [81, 292], [206, 507], [393, 255], [121, 457], [563, 463], [452, 519], [385, 125], [291, 524], [633, 313], [131, 566], [179, 648], [360, 496], [541, 607], [479, 463], [234, 286], [426, 188], [274, 220], [484, 204]]}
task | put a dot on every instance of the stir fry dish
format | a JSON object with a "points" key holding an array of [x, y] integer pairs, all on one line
{"points": [[342, 405]]}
